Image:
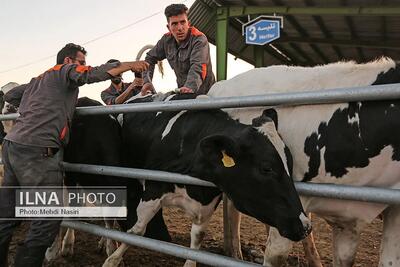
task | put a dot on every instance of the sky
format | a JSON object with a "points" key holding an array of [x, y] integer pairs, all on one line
{"points": [[32, 32]]}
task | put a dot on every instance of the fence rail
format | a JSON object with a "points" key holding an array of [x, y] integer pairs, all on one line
{"points": [[370, 194], [376, 92], [357, 193], [160, 246]]}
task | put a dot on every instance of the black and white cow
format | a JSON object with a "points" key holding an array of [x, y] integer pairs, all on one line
{"points": [[5, 107], [354, 143], [96, 139], [213, 147]]}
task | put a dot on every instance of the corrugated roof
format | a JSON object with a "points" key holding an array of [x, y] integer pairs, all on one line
{"points": [[310, 39]]}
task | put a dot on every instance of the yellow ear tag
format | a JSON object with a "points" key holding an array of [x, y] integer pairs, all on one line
{"points": [[226, 160]]}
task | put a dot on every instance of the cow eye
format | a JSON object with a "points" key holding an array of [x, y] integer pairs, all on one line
{"points": [[265, 169]]}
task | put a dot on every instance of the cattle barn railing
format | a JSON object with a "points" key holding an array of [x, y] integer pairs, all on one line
{"points": [[359, 193], [370, 194]]}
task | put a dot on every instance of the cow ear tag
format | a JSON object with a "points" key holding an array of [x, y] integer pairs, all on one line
{"points": [[226, 160]]}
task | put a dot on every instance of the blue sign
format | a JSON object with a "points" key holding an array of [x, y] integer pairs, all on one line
{"points": [[262, 32]]}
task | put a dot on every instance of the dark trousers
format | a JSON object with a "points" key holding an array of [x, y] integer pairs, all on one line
{"points": [[27, 166]]}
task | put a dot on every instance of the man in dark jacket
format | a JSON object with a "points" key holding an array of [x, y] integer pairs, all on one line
{"points": [[187, 51], [32, 149], [119, 92]]}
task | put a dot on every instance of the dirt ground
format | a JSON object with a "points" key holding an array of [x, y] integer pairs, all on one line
{"points": [[253, 244]]}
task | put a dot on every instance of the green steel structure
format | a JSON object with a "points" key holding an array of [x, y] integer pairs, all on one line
{"points": [[315, 31]]}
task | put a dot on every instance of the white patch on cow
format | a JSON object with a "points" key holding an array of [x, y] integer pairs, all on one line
{"points": [[297, 123], [390, 243], [269, 130], [202, 97], [171, 123], [168, 98], [280, 78], [143, 183], [137, 96], [120, 119], [310, 122], [305, 221], [381, 166], [354, 119], [196, 211]]}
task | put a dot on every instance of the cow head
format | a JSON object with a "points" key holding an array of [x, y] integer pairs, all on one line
{"points": [[249, 169]]}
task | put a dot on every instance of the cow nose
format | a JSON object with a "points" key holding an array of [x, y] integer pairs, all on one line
{"points": [[306, 223]]}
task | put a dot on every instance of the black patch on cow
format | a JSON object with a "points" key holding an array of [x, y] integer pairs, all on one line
{"points": [[353, 144], [142, 132], [96, 139], [391, 76], [267, 116], [311, 149]]}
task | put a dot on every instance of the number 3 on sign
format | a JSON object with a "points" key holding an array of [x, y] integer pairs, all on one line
{"points": [[253, 35]]}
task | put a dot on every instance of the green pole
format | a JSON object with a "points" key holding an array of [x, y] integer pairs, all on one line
{"points": [[259, 56], [222, 40], [222, 56]]}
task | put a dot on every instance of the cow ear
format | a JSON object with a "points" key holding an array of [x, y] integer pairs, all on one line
{"points": [[219, 150], [268, 115]]}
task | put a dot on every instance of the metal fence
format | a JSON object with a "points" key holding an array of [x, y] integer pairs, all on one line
{"points": [[370, 194]]}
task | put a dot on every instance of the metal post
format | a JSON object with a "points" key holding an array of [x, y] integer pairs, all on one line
{"points": [[221, 40], [259, 56], [222, 56]]}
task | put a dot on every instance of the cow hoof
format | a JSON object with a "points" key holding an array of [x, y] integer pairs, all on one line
{"points": [[112, 261], [101, 245], [52, 253], [110, 247], [67, 250], [189, 263]]}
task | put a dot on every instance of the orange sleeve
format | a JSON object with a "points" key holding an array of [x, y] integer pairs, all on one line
{"points": [[203, 71]]}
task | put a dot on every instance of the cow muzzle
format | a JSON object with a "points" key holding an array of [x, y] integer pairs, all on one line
{"points": [[296, 229]]}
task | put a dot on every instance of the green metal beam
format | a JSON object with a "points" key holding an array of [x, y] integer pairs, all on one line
{"points": [[222, 42], [236, 11], [352, 43], [259, 56]]}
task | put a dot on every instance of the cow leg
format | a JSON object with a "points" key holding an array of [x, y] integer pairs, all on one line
{"points": [[390, 244], [345, 236], [145, 212], [107, 244], [311, 252], [53, 251], [277, 248], [196, 237], [232, 237], [67, 248]]}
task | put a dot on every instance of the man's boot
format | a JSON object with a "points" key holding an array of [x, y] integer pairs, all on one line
{"points": [[30, 256], [4, 253]]}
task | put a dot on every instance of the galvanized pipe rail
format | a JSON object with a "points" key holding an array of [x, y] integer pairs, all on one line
{"points": [[160, 246], [375, 92], [357, 193], [380, 195]]}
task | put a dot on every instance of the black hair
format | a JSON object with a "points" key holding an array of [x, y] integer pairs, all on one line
{"points": [[175, 10], [69, 50], [113, 60]]}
